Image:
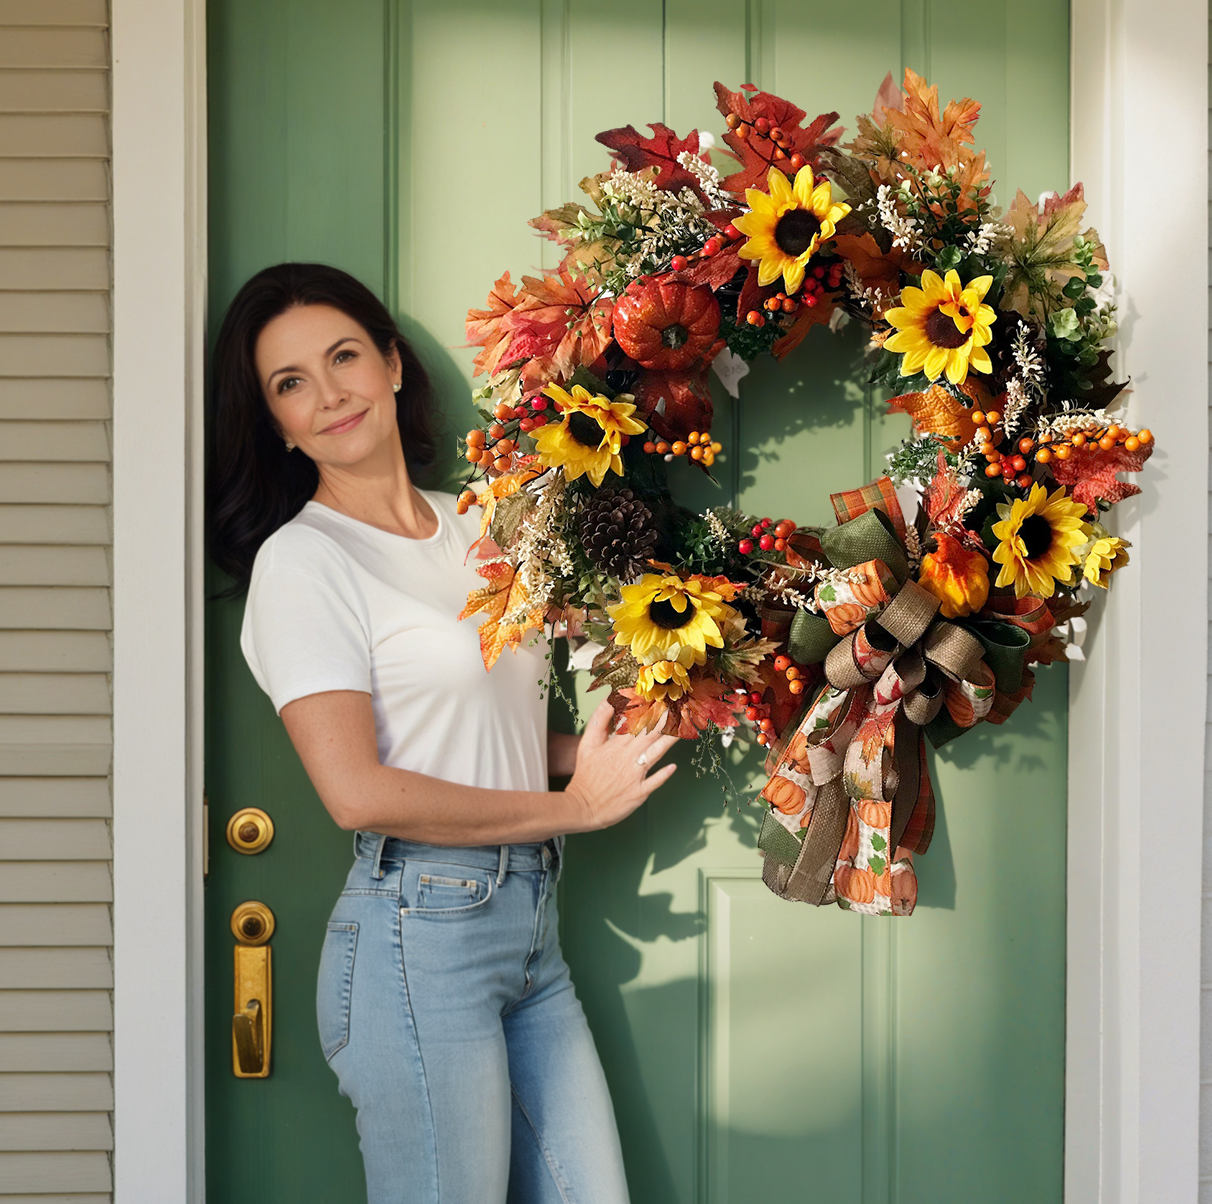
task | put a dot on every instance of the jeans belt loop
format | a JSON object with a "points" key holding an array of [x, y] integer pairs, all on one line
{"points": [[503, 867], [376, 870]]}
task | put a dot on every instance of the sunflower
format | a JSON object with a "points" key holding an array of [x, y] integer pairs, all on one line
{"points": [[1039, 537], [665, 679], [663, 617], [589, 436], [1103, 556], [943, 327], [787, 224]]}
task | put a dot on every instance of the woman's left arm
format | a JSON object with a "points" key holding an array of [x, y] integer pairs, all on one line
{"points": [[561, 754]]}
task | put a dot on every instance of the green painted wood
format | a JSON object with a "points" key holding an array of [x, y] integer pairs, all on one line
{"points": [[755, 1048]]}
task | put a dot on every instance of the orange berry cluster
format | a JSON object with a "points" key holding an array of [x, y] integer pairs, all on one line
{"points": [[1054, 447], [697, 445], [770, 536], [494, 448], [793, 673], [1010, 465], [784, 145]]}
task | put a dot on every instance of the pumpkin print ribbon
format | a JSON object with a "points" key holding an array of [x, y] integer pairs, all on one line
{"points": [[849, 795]]}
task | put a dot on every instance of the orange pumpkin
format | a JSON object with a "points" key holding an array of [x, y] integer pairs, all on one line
{"points": [[850, 842], [883, 884], [854, 884], [957, 576], [844, 617], [871, 591], [784, 795], [873, 814], [664, 325]]}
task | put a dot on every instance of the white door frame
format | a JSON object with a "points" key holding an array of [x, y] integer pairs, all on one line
{"points": [[1139, 137]]}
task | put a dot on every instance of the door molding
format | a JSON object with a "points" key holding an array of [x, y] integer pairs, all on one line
{"points": [[1139, 128], [158, 50], [1138, 115]]}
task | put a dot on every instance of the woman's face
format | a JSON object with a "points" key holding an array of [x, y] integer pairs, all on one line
{"points": [[328, 386]]}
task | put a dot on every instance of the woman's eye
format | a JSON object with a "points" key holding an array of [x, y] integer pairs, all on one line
{"points": [[287, 383], [341, 356]]}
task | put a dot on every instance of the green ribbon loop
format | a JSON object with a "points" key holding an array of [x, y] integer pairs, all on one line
{"points": [[810, 638], [871, 536], [1005, 651]]}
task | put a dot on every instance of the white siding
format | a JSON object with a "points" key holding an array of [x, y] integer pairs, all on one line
{"points": [[56, 1057]]}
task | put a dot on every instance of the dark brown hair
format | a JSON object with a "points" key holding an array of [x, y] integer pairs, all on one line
{"points": [[254, 484]]}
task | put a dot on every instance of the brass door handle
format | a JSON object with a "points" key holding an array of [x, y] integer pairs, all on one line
{"points": [[252, 924]]}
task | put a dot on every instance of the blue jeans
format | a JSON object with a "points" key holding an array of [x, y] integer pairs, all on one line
{"points": [[446, 1011]]}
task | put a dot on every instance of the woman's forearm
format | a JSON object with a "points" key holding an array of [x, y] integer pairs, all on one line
{"points": [[414, 806]]}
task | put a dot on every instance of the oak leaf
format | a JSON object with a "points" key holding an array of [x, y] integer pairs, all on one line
{"points": [[930, 141], [937, 412], [660, 152], [756, 152], [501, 596], [1090, 473]]}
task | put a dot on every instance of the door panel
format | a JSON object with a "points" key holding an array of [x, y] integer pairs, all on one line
{"points": [[753, 1046]]}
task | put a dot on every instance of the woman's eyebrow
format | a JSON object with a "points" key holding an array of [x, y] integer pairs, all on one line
{"points": [[349, 338]]}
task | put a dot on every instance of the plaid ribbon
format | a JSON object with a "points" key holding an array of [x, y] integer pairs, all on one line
{"points": [[849, 790], [879, 495]]}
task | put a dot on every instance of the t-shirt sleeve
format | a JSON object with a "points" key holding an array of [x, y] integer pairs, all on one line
{"points": [[303, 635]]}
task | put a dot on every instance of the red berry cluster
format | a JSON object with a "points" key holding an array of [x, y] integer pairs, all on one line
{"points": [[770, 536], [757, 712]]}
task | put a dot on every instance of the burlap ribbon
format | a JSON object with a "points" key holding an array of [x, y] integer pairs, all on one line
{"points": [[849, 790]]}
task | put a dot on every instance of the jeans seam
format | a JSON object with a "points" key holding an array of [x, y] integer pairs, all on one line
{"points": [[540, 916], [553, 1166], [416, 1045]]}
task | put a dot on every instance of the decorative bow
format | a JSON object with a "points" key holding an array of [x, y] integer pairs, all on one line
{"points": [[849, 793]]}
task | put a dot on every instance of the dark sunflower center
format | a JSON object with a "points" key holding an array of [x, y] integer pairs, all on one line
{"points": [[585, 430], [664, 615], [795, 231], [674, 336], [943, 332], [1036, 534]]}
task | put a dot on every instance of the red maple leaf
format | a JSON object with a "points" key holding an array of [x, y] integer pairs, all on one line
{"points": [[1089, 473], [756, 152], [943, 495], [660, 151], [808, 317], [712, 270]]}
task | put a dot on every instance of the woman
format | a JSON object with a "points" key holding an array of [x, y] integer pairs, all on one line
{"points": [[444, 1003]]}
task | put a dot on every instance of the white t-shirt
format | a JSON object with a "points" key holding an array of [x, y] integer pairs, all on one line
{"points": [[336, 604]]}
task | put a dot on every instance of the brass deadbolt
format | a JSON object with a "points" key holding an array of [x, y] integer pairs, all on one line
{"points": [[252, 923], [250, 830]]}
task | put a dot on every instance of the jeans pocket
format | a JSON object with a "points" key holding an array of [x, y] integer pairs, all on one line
{"points": [[445, 890], [334, 987]]}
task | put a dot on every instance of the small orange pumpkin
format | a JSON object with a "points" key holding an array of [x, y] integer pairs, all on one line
{"points": [[854, 884], [871, 591], [665, 325], [883, 884], [873, 814], [904, 891], [784, 795], [844, 617]]}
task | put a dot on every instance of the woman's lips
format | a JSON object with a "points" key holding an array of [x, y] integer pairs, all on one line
{"points": [[346, 424]]}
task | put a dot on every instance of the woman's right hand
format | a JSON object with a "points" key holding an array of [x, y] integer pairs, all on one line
{"points": [[612, 776]]}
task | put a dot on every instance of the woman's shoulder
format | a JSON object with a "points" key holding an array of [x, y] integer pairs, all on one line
{"points": [[309, 544]]}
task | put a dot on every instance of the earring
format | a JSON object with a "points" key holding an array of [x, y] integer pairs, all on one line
{"points": [[289, 446], [395, 388]]}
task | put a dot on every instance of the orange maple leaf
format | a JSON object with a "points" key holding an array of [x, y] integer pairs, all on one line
{"points": [[499, 597], [937, 412], [930, 140], [1090, 473], [487, 328], [876, 269]]}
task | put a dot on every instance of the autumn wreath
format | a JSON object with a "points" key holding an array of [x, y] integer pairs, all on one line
{"points": [[844, 648]]}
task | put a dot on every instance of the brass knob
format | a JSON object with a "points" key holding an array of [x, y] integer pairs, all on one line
{"points": [[250, 830], [252, 923]]}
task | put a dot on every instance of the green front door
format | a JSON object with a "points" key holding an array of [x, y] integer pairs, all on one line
{"points": [[756, 1049]]}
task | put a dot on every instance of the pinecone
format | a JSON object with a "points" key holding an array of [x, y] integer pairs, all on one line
{"points": [[618, 533]]}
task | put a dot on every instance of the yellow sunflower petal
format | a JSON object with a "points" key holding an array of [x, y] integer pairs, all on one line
{"points": [[780, 187]]}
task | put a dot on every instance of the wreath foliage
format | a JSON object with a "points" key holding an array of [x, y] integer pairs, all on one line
{"points": [[844, 648]]}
